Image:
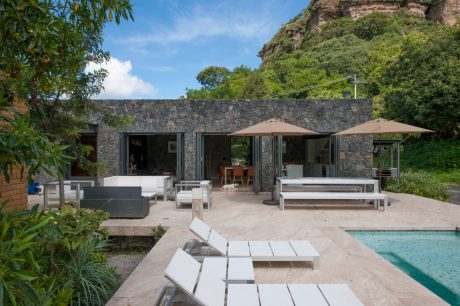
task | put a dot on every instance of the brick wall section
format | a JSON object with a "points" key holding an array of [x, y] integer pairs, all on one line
{"points": [[16, 190]]}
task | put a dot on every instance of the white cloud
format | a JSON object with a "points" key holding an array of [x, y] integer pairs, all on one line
{"points": [[206, 23], [161, 68], [121, 83]]}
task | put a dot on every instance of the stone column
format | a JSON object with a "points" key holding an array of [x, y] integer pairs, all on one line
{"points": [[108, 151], [355, 156], [190, 156], [267, 163]]}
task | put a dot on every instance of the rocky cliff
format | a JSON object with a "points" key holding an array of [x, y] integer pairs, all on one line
{"points": [[320, 12]]}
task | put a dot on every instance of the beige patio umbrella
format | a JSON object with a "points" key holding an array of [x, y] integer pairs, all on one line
{"points": [[273, 127], [379, 127]]}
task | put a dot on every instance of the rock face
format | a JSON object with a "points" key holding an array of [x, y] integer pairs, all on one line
{"points": [[356, 9], [323, 11], [320, 12], [444, 11]]}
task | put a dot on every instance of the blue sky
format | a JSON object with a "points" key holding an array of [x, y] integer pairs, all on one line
{"points": [[170, 41]]}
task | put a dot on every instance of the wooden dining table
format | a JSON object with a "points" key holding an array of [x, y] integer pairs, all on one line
{"points": [[245, 168]]}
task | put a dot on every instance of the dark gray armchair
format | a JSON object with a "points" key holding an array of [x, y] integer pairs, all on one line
{"points": [[119, 202]]}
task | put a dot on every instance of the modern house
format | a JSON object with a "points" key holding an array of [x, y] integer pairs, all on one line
{"points": [[189, 139]]}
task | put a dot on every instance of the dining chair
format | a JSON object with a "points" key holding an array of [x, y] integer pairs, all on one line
{"points": [[238, 173], [250, 175], [222, 174]]}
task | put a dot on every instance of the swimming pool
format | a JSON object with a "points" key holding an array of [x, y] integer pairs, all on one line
{"points": [[430, 257]]}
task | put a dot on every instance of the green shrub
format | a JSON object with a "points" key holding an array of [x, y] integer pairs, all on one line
{"points": [[158, 232], [54, 258], [432, 155], [420, 183], [371, 25]]}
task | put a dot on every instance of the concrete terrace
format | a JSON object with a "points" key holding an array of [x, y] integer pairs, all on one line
{"points": [[241, 215]]}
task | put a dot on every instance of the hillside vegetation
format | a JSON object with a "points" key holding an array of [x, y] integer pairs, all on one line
{"points": [[409, 66]]}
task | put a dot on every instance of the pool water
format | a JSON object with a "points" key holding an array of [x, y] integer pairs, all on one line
{"points": [[430, 257]]}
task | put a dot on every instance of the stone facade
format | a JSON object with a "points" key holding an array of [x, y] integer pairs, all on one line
{"points": [[226, 116]]}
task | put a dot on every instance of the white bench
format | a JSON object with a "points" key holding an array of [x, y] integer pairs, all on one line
{"points": [[334, 196], [324, 182], [152, 186]]}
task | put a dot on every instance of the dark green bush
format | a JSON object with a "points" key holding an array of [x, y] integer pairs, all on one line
{"points": [[432, 155], [158, 232], [54, 258], [371, 25], [420, 183]]}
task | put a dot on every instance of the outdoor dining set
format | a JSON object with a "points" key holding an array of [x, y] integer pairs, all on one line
{"points": [[235, 174]]}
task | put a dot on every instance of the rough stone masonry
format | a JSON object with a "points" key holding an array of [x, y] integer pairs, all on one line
{"points": [[226, 116]]}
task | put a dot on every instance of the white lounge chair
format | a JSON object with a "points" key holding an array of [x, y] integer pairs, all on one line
{"points": [[292, 250], [207, 289]]}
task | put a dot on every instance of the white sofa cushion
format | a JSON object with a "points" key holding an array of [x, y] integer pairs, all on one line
{"points": [[149, 184]]}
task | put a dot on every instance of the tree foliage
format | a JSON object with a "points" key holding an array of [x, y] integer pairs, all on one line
{"points": [[212, 77], [54, 258], [409, 66], [46, 47], [21, 146], [423, 85]]}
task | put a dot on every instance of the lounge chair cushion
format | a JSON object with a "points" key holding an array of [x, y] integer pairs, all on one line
{"points": [[218, 242], [183, 270], [200, 228]]}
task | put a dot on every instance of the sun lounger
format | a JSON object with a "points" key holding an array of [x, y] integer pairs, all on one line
{"points": [[293, 250], [209, 290]]}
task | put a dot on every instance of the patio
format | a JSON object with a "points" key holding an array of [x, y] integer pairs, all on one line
{"points": [[240, 215]]}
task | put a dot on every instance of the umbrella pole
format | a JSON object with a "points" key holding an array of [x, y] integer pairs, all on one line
{"points": [[380, 165]]}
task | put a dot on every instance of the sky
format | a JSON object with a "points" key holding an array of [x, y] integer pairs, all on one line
{"points": [[159, 54]]}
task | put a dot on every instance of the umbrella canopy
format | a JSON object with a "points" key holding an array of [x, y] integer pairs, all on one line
{"points": [[273, 127], [383, 126]]}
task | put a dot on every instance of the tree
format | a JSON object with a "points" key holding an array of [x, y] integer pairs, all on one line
{"points": [[21, 146], [212, 77], [423, 86], [255, 87], [46, 47]]}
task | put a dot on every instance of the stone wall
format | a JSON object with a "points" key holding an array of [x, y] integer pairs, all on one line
{"points": [[226, 116]]}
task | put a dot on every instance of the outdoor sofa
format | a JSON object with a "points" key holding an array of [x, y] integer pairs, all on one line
{"points": [[184, 192], [151, 185], [293, 250], [211, 287], [119, 202]]}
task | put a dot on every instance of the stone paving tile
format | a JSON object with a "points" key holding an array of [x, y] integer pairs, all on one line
{"points": [[241, 215]]}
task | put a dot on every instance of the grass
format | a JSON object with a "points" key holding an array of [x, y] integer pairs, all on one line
{"points": [[420, 183], [449, 177]]}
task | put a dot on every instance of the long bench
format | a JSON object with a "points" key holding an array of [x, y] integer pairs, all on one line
{"points": [[334, 196]]}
